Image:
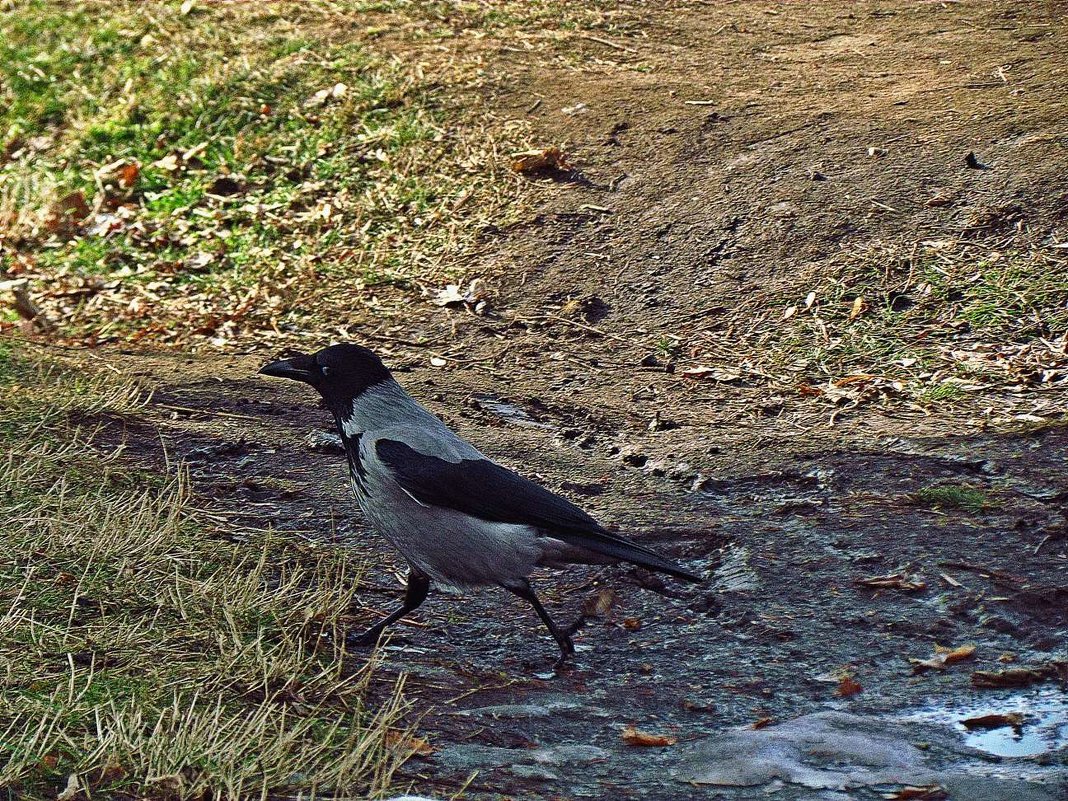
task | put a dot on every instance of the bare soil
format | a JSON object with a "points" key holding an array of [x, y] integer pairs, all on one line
{"points": [[694, 194]]}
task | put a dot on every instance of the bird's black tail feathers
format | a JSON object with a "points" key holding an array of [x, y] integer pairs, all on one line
{"points": [[603, 542]]}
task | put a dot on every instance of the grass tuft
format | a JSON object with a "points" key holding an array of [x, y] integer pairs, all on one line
{"points": [[147, 653], [954, 496]]}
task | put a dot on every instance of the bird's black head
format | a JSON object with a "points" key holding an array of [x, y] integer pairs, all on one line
{"points": [[340, 373]]}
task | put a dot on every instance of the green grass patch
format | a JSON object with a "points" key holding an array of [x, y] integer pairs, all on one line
{"points": [[954, 496], [147, 652], [939, 393], [224, 156]]}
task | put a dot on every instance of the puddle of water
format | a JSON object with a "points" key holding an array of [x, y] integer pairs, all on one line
{"points": [[1044, 727], [509, 412]]}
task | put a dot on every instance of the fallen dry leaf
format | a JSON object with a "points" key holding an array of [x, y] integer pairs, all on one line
{"points": [[994, 720], [847, 686], [762, 723], [714, 373], [475, 297], [859, 378], [790, 312], [402, 741], [858, 308], [551, 159], [323, 96], [600, 604], [72, 789], [633, 736], [928, 792], [168, 163], [128, 174], [631, 623], [943, 657], [449, 295], [67, 213], [954, 655], [1011, 677], [893, 581]]}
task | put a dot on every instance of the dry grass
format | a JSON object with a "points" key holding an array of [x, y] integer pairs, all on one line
{"points": [[145, 653], [930, 325], [263, 203]]}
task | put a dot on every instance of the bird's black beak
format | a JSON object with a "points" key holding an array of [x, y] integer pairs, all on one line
{"points": [[299, 368]]}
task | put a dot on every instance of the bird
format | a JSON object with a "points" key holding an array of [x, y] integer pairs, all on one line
{"points": [[458, 518]]}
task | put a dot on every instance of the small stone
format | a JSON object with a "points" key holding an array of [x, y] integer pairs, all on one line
{"points": [[536, 772]]}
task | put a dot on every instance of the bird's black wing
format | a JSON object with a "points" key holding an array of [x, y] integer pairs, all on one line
{"points": [[485, 490]]}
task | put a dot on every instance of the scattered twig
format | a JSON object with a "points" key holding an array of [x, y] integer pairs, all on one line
{"points": [[608, 43], [210, 412], [589, 328]]}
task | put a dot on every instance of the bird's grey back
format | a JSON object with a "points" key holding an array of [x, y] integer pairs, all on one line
{"points": [[386, 410]]}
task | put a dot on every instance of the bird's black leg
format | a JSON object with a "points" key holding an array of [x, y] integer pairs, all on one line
{"points": [[563, 638], [418, 587]]}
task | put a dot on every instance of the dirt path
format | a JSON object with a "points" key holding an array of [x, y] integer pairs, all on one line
{"points": [[724, 169]]}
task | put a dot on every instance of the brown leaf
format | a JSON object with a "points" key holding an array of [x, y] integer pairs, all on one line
{"points": [[128, 174], [551, 159], [860, 378], [928, 792], [402, 741], [633, 736], [762, 723], [631, 623], [1011, 677], [847, 686], [893, 581], [995, 720], [943, 657], [600, 604], [67, 213], [953, 655]]}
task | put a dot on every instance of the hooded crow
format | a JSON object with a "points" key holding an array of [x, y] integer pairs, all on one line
{"points": [[457, 518]]}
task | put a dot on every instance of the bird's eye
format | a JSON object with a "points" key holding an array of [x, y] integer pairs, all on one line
{"points": [[325, 370]]}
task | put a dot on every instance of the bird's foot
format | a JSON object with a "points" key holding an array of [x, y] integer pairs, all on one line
{"points": [[563, 663], [567, 648]]}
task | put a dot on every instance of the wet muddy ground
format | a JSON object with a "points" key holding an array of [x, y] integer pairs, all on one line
{"points": [[783, 541]]}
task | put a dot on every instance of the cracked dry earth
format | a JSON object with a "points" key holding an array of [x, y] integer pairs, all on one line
{"points": [[687, 214]]}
